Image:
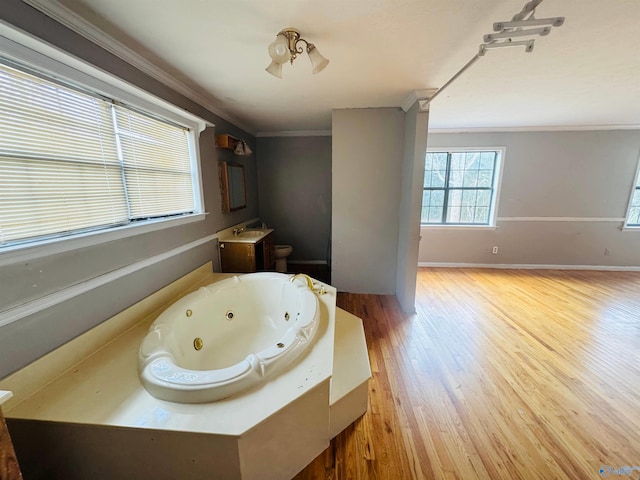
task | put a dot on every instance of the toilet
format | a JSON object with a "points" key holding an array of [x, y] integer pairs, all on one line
{"points": [[282, 252]]}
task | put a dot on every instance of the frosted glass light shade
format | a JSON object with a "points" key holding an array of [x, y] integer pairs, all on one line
{"points": [[279, 50], [318, 62], [275, 69]]}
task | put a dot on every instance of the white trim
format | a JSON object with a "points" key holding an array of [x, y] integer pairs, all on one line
{"points": [[307, 262], [560, 219], [294, 133], [529, 266], [538, 128], [440, 226], [54, 246], [21, 311], [76, 23], [415, 95]]}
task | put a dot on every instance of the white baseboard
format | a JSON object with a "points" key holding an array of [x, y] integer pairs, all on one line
{"points": [[530, 266]]}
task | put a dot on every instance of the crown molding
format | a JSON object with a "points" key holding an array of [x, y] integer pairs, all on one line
{"points": [[76, 23], [549, 128], [294, 133], [418, 96]]}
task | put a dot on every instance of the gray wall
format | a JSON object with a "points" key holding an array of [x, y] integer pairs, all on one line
{"points": [[294, 186], [564, 175], [25, 340], [415, 143], [367, 180]]}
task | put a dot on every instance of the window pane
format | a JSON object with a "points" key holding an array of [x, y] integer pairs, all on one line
{"points": [[484, 198], [469, 197], [634, 216], [635, 201], [435, 170], [456, 175], [453, 214], [485, 178], [487, 160], [482, 215], [157, 165], [471, 160], [470, 178], [432, 204], [455, 198]]}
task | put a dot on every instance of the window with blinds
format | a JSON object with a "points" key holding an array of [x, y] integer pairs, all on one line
{"points": [[72, 162]]}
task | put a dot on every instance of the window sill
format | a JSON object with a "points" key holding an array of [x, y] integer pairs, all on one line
{"points": [[630, 229], [22, 253], [457, 227]]}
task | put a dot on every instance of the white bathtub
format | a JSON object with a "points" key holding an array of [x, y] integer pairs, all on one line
{"points": [[227, 337]]}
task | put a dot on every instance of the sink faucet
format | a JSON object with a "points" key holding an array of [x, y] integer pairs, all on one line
{"points": [[238, 230]]}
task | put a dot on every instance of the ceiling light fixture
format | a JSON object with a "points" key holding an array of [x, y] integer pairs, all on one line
{"points": [[285, 49]]}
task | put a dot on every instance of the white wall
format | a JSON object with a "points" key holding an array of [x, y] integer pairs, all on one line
{"points": [[579, 181], [367, 180]]}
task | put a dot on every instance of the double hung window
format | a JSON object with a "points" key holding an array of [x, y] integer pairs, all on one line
{"points": [[460, 187]]}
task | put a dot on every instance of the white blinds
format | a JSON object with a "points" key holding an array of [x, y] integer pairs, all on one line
{"points": [[61, 170], [157, 165]]}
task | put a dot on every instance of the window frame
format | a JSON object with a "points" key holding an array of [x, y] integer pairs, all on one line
{"points": [[493, 212], [634, 187], [34, 54]]}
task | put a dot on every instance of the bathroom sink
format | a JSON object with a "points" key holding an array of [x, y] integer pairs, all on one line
{"points": [[249, 235]]}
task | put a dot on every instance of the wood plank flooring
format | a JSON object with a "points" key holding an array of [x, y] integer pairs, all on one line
{"points": [[501, 374]]}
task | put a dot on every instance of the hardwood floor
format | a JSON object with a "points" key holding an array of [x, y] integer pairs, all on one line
{"points": [[501, 374]]}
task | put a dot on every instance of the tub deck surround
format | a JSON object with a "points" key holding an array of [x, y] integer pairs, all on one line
{"points": [[81, 412], [105, 389]]}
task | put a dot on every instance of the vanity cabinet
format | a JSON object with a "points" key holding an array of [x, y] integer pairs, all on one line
{"points": [[240, 257]]}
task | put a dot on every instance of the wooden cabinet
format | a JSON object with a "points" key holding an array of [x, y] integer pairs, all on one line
{"points": [[237, 257], [226, 141]]}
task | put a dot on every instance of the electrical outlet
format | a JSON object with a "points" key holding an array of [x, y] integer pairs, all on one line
{"points": [[494, 250]]}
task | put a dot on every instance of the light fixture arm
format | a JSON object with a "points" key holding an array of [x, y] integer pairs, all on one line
{"points": [[287, 47], [293, 38]]}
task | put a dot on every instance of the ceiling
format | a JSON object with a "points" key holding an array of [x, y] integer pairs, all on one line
{"points": [[584, 74]]}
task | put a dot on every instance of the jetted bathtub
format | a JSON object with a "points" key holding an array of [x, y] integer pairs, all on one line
{"points": [[227, 337]]}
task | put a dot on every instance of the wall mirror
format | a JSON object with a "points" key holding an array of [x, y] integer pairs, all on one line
{"points": [[232, 186]]}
